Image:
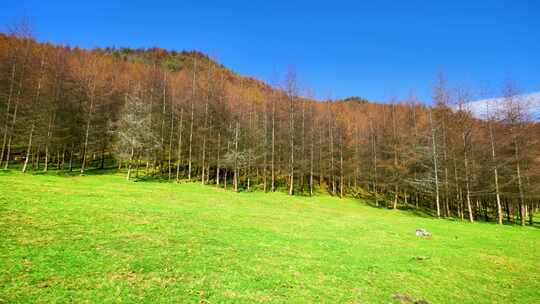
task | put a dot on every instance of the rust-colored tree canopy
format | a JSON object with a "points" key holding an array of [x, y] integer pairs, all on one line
{"points": [[183, 116]]}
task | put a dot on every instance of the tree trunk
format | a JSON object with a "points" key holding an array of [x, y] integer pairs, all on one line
{"points": [[321, 173], [138, 163], [331, 148], [520, 185], [273, 182], [162, 130], [13, 122], [87, 131], [395, 139], [102, 159], [8, 108], [291, 144], [341, 169], [374, 160], [204, 143], [29, 148], [50, 128], [495, 175], [265, 149], [62, 163], [303, 147], [218, 150], [192, 118], [171, 146], [35, 165], [129, 162], [71, 158], [235, 177], [531, 214], [435, 165], [311, 166], [467, 182], [179, 149]]}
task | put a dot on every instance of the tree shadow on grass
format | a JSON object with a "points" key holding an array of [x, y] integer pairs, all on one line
{"points": [[62, 172], [367, 198], [156, 179]]}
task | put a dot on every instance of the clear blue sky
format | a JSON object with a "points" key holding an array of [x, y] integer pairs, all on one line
{"points": [[374, 49]]}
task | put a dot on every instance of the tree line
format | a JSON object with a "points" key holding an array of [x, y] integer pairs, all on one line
{"points": [[181, 116]]}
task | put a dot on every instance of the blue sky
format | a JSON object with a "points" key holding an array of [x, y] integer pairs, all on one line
{"points": [[339, 48]]}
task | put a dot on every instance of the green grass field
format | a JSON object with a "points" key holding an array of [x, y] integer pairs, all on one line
{"points": [[101, 239]]}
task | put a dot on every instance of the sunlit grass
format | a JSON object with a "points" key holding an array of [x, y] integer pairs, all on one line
{"points": [[99, 239]]}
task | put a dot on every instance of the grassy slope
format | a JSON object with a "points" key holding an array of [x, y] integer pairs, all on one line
{"points": [[102, 239]]}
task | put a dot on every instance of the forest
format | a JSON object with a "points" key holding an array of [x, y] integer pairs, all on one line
{"points": [[183, 117]]}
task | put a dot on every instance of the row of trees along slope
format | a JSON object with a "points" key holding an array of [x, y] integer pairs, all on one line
{"points": [[182, 116]]}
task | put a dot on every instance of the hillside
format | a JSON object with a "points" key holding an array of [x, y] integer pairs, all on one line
{"points": [[99, 238], [183, 61], [182, 115]]}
